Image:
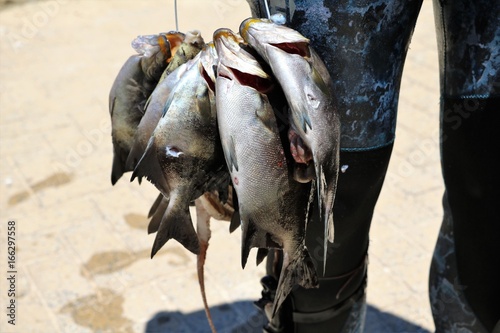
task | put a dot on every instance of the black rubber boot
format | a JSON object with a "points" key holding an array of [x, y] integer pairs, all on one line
{"points": [[339, 304], [464, 278]]}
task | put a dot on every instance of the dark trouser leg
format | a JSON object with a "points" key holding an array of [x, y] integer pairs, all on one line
{"points": [[464, 288], [363, 44], [463, 284]]}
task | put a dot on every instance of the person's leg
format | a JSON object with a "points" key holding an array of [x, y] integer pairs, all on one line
{"points": [[463, 284], [363, 44]]}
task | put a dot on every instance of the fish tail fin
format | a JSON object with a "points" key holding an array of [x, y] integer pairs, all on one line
{"points": [[297, 270], [176, 223], [157, 214], [155, 205]]}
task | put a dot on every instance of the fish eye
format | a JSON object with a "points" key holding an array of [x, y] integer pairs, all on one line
{"points": [[173, 151]]}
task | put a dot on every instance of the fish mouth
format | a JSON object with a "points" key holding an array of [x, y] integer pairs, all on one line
{"points": [[260, 84], [226, 34], [247, 23], [235, 63], [279, 36], [301, 152], [302, 166], [170, 42], [208, 65]]}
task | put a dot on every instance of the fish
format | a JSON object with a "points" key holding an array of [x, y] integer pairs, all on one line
{"points": [[132, 87], [273, 207], [210, 204], [315, 121], [190, 47], [183, 157]]}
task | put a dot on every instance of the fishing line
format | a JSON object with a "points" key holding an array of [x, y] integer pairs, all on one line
{"points": [[176, 19], [267, 10]]}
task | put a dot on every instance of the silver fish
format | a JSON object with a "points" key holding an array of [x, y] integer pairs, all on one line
{"points": [[190, 47], [183, 157], [273, 207], [132, 87], [309, 92]]}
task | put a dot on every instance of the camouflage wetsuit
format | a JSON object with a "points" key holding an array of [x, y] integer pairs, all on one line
{"points": [[364, 44]]}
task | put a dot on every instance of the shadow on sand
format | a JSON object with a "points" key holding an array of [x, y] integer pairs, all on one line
{"points": [[243, 317]]}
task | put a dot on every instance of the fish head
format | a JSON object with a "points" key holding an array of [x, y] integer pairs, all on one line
{"points": [[238, 62], [194, 38], [264, 33], [191, 46], [166, 43], [157, 51], [170, 43]]}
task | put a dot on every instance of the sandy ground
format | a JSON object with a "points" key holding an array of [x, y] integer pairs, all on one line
{"points": [[82, 252]]}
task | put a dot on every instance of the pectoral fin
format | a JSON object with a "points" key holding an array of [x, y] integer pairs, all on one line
{"points": [[235, 219], [231, 155], [149, 167], [117, 169]]}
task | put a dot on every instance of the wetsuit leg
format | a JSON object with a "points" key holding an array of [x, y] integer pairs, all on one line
{"points": [[464, 278], [363, 44]]}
